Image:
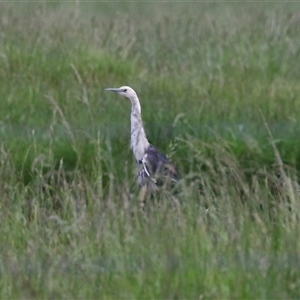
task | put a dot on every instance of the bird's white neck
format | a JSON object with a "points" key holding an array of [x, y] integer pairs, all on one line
{"points": [[139, 142]]}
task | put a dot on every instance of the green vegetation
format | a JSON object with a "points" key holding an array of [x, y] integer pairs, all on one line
{"points": [[219, 87]]}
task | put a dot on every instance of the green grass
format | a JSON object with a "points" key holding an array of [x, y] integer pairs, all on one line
{"points": [[213, 79]]}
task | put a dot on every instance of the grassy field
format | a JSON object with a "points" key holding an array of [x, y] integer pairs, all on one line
{"points": [[219, 88]]}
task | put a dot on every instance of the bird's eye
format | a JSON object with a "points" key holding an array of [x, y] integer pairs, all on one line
{"points": [[125, 90]]}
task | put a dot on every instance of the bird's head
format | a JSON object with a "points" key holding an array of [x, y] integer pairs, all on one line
{"points": [[125, 91]]}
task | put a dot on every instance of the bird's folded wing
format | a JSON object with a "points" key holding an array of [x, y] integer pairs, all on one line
{"points": [[156, 162]]}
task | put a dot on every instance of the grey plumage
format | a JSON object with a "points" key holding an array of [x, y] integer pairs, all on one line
{"points": [[156, 167]]}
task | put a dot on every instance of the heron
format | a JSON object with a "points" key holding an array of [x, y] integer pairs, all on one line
{"points": [[152, 165]]}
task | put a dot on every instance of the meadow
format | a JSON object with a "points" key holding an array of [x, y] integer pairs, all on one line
{"points": [[219, 89]]}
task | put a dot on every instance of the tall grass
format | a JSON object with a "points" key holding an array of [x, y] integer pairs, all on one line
{"points": [[219, 90]]}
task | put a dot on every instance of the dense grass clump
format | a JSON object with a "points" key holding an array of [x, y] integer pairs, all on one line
{"points": [[219, 88]]}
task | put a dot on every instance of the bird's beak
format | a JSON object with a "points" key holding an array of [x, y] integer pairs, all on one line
{"points": [[116, 90]]}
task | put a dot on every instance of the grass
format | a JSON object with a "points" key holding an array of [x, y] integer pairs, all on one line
{"points": [[220, 95]]}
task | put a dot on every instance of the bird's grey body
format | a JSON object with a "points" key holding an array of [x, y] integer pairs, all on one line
{"points": [[151, 164]]}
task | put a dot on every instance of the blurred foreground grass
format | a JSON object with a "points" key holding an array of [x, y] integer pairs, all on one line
{"points": [[207, 75]]}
